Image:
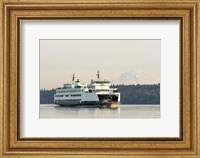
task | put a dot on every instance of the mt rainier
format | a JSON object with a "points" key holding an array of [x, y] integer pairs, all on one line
{"points": [[134, 77]]}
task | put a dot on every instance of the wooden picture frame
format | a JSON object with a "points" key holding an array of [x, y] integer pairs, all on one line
{"points": [[187, 145]]}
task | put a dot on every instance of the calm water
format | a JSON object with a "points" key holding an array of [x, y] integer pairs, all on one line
{"points": [[125, 111]]}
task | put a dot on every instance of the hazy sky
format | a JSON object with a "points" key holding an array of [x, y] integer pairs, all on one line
{"points": [[59, 59]]}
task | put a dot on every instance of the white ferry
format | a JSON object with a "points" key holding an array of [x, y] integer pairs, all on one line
{"points": [[96, 94]]}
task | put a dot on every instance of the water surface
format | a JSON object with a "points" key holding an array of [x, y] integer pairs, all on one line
{"points": [[125, 111]]}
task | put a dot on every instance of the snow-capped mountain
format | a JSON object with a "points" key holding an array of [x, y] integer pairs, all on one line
{"points": [[135, 77]]}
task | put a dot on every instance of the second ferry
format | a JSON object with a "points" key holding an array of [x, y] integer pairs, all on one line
{"points": [[98, 93]]}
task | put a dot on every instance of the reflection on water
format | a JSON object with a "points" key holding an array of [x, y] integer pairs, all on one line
{"points": [[125, 111]]}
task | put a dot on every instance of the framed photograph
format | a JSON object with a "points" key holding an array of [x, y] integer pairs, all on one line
{"points": [[99, 79]]}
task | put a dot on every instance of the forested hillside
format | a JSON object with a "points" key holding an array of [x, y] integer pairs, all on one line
{"points": [[130, 94], [47, 96], [139, 94]]}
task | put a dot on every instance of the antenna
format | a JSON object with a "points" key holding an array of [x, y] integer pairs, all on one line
{"points": [[73, 77], [98, 75]]}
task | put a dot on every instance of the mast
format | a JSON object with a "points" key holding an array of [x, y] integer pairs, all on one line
{"points": [[73, 77], [98, 75]]}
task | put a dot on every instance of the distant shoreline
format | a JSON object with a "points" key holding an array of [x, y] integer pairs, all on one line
{"points": [[130, 94]]}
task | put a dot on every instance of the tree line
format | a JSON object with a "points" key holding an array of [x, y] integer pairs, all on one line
{"points": [[139, 94], [130, 94]]}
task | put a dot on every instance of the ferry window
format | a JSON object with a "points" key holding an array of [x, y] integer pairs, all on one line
{"points": [[59, 95], [75, 95]]}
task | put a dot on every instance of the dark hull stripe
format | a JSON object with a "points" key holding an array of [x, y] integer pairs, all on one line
{"points": [[86, 104]]}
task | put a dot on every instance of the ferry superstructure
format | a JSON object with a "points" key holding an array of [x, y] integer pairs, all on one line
{"points": [[97, 93]]}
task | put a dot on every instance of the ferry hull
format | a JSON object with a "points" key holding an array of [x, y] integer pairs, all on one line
{"points": [[91, 104]]}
